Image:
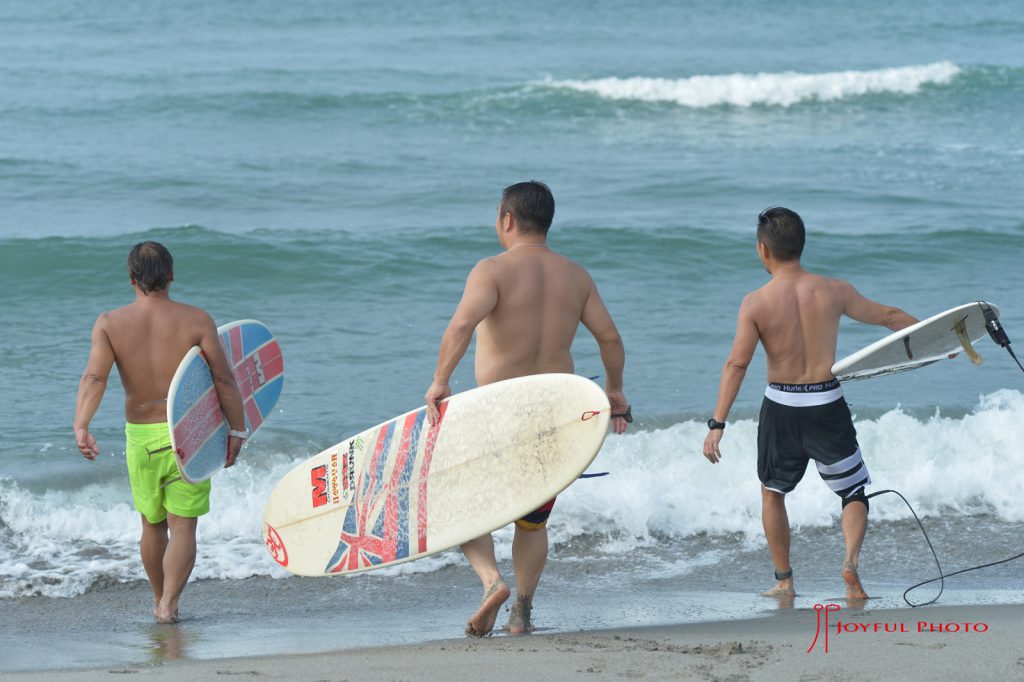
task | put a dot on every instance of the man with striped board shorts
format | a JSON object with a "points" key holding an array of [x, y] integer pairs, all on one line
{"points": [[804, 416]]}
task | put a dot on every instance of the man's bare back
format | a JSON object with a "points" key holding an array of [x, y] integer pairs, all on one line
{"points": [[525, 306], [796, 317], [541, 299], [148, 338]]}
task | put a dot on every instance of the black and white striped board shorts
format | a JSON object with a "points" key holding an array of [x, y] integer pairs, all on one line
{"points": [[801, 422]]}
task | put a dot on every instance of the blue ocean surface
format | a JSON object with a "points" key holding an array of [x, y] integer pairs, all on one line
{"points": [[333, 170]]}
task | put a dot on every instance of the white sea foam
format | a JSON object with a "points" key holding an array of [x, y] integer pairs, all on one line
{"points": [[59, 543], [770, 89], [662, 485]]}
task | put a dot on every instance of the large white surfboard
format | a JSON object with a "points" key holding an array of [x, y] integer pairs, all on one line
{"points": [[404, 490], [928, 341]]}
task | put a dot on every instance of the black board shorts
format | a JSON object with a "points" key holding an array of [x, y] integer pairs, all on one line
{"points": [[801, 422]]}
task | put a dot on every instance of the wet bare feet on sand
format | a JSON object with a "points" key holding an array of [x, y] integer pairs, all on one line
{"points": [[782, 590], [482, 622], [854, 590], [519, 622]]}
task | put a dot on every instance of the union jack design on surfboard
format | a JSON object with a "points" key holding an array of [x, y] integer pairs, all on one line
{"points": [[401, 490], [199, 431], [388, 514]]}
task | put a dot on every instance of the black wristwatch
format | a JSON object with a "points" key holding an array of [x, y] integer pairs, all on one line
{"points": [[712, 424]]}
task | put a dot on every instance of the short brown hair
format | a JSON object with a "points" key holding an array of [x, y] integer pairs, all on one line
{"points": [[151, 266]]}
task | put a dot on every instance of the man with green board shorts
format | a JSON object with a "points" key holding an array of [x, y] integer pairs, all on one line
{"points": [[525, 306], [804, 416], [147, 339]]}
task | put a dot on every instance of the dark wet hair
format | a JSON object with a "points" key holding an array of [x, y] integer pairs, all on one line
{"points": [[532, 205], [151, 266], [782, 232]]}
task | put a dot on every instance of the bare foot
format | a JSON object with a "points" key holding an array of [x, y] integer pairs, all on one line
{"points": [[854, 590], [782, 589], [519, 622], [165, 615], [482, 622]]}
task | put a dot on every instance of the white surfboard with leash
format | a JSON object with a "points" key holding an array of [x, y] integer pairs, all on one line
{"points": [[404, 489], [937, 338], [953, 331]]}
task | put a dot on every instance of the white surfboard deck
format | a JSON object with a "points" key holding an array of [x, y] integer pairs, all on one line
{"points": [[404, 490], [199, 431], [918, 345]]}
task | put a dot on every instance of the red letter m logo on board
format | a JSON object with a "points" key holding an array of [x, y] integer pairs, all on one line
{"points": [[318, 477]]}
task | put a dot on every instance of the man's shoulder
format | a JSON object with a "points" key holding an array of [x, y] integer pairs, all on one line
{"points": [[565, 265], [571, 264], [507, 261], [183, 313], [114, 316], [838, 288], [132, 314], [103, 321], [490, 261], [807, 280], [190, 315], [818, 278], [189, 309], [488, 267], [757, 295]]}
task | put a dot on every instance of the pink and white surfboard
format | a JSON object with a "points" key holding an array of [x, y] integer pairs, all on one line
{"points": [[199, 432]]}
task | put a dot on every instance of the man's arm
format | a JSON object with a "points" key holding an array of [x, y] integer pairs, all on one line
{"points": [[478, 300], [735, 368], [865, 310], [224, 383], [598, 321], [91, 388]]}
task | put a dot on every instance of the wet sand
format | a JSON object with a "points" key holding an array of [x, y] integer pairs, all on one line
{"points": [[884, 644]]}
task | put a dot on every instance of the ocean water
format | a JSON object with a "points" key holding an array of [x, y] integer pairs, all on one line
{"points": [[333, 171]]}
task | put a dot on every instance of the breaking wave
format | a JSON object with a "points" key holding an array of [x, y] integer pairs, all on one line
{"points": [[766, 89], [60, 543]]}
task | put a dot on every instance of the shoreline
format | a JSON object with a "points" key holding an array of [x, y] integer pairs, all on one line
{"points": [[262, 618], [866, 644]]}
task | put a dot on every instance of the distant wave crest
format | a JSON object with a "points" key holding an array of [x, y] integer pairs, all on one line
{"points": [[771, 89]]}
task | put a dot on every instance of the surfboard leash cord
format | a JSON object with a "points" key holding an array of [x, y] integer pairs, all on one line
{"points": [[942, 576]]}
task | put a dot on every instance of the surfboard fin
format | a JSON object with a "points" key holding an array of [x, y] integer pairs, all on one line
{"points": [[960, 329]]}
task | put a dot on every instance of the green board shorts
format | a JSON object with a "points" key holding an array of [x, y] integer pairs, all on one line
{"points": [[157, 487]]}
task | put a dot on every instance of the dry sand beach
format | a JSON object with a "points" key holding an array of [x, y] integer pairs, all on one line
{"points": [[887, 644]]}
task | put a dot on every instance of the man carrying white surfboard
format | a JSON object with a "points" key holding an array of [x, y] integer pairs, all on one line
{"points": [[525, 306], [804, 415], [147, 339]]}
